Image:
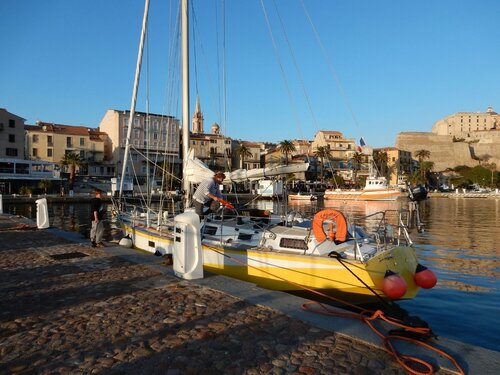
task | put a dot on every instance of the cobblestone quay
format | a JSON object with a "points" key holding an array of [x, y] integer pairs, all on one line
{"points": [[67, 308]]}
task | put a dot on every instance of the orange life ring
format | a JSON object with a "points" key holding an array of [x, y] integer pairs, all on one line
{"points": [[340, 234]]}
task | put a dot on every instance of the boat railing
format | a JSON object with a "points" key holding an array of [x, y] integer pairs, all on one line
{"points": [[223, 221], [138, 214], [389, 228]]}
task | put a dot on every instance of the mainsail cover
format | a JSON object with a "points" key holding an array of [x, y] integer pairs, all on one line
{"points": [[196, 171]]}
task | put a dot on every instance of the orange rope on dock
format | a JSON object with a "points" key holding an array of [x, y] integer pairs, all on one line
{"points": [[368, 317]]}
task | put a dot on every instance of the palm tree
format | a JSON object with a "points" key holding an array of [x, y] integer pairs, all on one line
{"points": [[286, 147], [322, 152], [243, 152], [380, 158], [72, 160], [425, 168], [357, 159], [45, 185], [421, 156]]}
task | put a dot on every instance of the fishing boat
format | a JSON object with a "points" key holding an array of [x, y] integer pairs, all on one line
{"points": [[324, 253], [375, 189], [302, 197]]}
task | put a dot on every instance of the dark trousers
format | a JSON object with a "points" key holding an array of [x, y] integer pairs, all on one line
{"points": [[199, 208]]}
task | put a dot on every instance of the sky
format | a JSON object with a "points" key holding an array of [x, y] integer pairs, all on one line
{"points": [[365, 68]]}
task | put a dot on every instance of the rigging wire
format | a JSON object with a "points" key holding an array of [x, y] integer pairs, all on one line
{"points": [[280, 64], [330, 66], [294, 60]]}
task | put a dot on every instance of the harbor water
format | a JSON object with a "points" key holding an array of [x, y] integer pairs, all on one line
{"points": [[460, 244]]}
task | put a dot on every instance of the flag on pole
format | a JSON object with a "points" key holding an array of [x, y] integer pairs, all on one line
{"points": [[362, 142]]}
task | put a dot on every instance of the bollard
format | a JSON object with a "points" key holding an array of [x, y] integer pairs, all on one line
{"points": [[1, 204], [42, 214], [188, 252]]}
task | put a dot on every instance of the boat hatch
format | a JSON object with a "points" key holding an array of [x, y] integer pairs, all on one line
{"points": [[245, 236], [293, 243]]}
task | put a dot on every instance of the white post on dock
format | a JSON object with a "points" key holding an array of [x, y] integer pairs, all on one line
{"points": [[1, 204], [42, 214]]}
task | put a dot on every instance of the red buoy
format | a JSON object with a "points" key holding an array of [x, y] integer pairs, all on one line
{"points": [[394, 286], [424, 277]]}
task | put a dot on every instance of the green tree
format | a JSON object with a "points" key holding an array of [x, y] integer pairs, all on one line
{"points": [[380, 159], [45, 185], [492, 167], [286, 147], [72, 160], [421, 156], [357, 159], [322, 152], [243, 152], [25, 190]]}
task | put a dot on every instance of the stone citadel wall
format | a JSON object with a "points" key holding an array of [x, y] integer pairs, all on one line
{"points": [[448, 154]]}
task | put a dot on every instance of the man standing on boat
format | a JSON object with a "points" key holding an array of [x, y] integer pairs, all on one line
{"points": [[96, 216], [208, 195]]}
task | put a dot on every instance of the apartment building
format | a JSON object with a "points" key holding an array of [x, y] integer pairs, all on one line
{"points": [[340, 148], [214, 149], [399, 165], [11, 135], [50, 142], [154, 143], [250, 161]]}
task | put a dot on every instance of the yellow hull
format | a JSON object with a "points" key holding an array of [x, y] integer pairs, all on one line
{"points": [[296, 273], [278, 271]]}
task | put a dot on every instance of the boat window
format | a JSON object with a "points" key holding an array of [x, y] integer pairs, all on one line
{"points": [[293, 243], [210, 230]]}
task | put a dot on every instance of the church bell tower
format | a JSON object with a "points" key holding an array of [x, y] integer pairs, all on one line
{"points": [[197, 118]]}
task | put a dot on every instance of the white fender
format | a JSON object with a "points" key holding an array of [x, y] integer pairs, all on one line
{"points": [[126, 242]]}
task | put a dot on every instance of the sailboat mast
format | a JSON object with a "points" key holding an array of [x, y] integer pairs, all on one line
{"points": [[185, 94], [134, 94]]}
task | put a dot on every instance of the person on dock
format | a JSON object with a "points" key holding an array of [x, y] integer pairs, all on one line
{"points": [[96, 216], [208, 195]]}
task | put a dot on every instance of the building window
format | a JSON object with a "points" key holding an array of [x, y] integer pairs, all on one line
{"points": [[82, 154], [49, 140], [35, 138], [12, 138], [11, 151], [82, 141], [49, 152], [35, 152], [12, 123], [69, 143]]}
